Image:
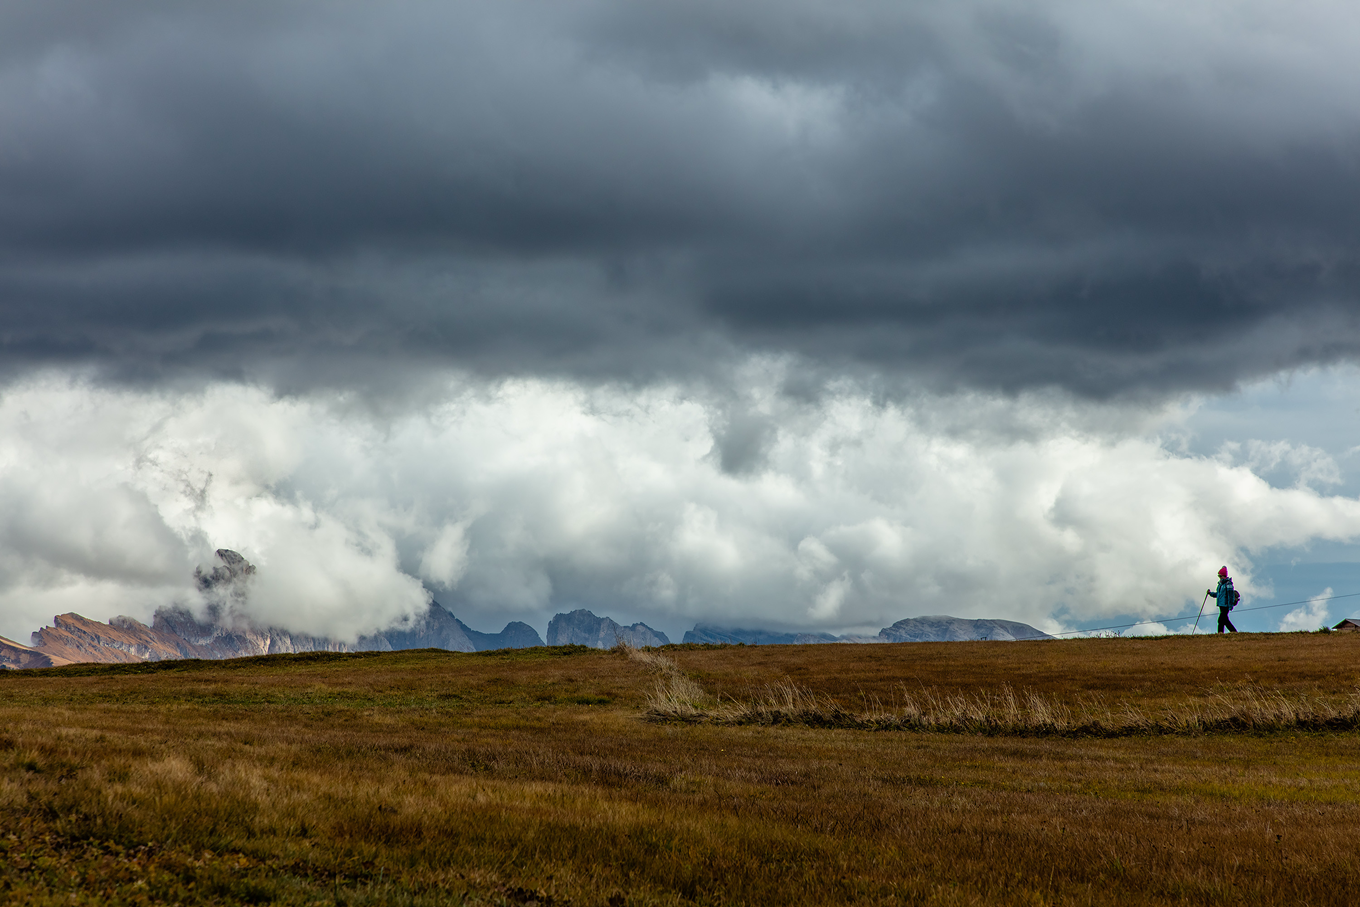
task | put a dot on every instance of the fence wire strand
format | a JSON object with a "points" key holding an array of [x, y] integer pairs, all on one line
{"points": [[1172, 620]]}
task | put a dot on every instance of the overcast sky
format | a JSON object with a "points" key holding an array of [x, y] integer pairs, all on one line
{"points": [[805, 315]]}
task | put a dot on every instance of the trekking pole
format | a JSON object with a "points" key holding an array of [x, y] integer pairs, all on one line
{"points": [[1201, 612]]}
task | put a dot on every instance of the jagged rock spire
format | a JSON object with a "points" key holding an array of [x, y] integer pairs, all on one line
{"points": [[234, 567]]}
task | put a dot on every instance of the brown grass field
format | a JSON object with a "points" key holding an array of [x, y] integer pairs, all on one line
{"points": [[726, 775]]}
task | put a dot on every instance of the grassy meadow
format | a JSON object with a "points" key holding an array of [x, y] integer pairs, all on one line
{"points": [[1210, 770]]}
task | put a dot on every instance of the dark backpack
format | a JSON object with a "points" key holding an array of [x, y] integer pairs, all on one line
{"points": [[1233, 596]]}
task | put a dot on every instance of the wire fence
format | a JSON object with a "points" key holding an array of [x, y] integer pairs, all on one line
{"points": [[1172, 620]]}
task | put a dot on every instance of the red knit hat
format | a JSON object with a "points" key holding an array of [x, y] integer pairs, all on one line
{"points": [[1222, 571]]}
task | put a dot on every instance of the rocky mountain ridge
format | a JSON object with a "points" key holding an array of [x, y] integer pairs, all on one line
{"points": [[176, 632]]}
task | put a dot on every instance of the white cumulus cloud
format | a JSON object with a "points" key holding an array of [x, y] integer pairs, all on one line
{"points": [[516, 499], [1310, 616]]}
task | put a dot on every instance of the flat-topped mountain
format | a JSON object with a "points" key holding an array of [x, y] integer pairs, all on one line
{"points": [[941, 628], [912, 629]]}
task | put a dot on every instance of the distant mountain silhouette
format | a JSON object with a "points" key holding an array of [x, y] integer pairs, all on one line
{"points": [[516, 635], [944, 629], [912, 629], [703, 633], [582, 628], [439, 629]]}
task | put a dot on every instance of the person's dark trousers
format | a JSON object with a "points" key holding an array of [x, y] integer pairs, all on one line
{"points": [[1224, 622]]}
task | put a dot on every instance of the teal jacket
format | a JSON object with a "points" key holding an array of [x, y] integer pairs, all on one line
{"points": [[1224, 595]]}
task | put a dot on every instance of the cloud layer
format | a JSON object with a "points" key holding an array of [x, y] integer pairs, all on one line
{"points": [[1132, 199], [810, 315], [516, 499]]}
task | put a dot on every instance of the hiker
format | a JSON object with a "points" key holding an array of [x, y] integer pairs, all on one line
{"points": [[1227, 599]]}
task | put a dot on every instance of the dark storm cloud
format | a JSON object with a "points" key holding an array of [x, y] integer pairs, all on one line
{"points": [[994, 195]]}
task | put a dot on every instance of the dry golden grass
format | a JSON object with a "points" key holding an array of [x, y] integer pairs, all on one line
{"points": [[1004, 712], [439, 778], [1149, 670]]}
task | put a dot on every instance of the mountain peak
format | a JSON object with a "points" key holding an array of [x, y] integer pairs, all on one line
{"points": [[233, 569]]}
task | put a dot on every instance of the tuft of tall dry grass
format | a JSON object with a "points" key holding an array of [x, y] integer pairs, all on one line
{"points": [[675, 695], [1006, 712]]}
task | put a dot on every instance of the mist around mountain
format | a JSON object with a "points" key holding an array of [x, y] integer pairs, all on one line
{"points": [[221, 631]]}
